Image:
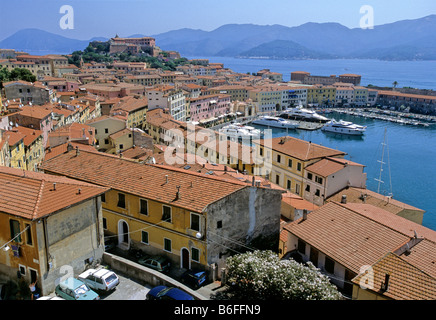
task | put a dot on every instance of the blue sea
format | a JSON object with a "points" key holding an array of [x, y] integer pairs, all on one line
{"points": [[415, 74], [410, 155]]}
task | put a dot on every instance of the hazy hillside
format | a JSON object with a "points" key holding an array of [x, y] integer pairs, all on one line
{"points": [[283, 49], [402, 40], [35, 41]]}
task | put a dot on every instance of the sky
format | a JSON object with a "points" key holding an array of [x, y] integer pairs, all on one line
{"points": [[105, 18]]}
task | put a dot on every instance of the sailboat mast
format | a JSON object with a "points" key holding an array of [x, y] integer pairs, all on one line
{"points": [[379, 180]]}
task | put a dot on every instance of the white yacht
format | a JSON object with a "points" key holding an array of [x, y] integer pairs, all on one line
{"points": [[302, 114], [238, 131], [276, 122], [343, 127]]}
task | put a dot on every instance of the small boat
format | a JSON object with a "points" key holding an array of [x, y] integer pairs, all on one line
{"points": [[238, 131], [276, 122], [300, 113], [343, 127]]}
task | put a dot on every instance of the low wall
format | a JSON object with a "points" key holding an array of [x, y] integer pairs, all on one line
{"points": [[144, 274]]}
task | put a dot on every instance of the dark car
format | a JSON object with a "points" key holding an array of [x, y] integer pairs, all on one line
{"points": [[167, 293], [194, 278], [157, 263]]}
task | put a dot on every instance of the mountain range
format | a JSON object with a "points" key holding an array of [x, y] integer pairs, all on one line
{"points": [[402, 40]]}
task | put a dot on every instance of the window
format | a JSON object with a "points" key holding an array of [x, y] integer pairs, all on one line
{"points": [[290, 163], [106, 141], [29, 235], [104, 223], [329, 265], [121, 200], [301, 246], [144, 237], [219, 224], [15, 229], [279, 158], [166, 214], [318, 179], [103, 197], [288, 185], [121, 146], [143, 206], [195, 222], [309, 176], [167, 244], [277, 179], [299, 166], [307, 188], [195, 254], [106, 130], [317, 192]]}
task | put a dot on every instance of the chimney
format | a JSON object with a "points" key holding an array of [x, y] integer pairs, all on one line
{"points": [[178, 193], [54, 186], [344, 199], [385, 284], [166, 179], [304, 214], [77, 151]]}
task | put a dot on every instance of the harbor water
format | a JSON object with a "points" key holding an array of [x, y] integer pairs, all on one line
{"points": [[409, 172]]}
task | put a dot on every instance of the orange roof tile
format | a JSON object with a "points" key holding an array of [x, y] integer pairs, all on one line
{"points": [[146, 181], [406, 281], [31, 195], [300, 149]]}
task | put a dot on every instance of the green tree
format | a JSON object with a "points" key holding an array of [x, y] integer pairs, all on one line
{"points": [[261, 275], [5, 75], [22, 74]]}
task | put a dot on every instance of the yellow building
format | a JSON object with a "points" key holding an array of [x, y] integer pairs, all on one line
{"points": [[283, 160], [104, 127], [46, 223], [33, 147], [17, 152], [319, 95], [133, 109], [182, 215]]}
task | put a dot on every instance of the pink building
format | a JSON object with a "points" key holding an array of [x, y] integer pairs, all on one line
{"points": [[34, 117], [209, 106]]}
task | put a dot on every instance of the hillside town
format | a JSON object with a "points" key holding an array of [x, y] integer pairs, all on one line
{"points": [[102, 160]]}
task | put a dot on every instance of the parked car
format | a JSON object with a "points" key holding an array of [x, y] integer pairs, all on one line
{"points": [[167, 293], [101, 279], [157, 263], [50, 298], [194, 278], [74, 289], [109, 244]]}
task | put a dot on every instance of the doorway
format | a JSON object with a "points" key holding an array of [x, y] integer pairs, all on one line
{"points": [[184, 256], [123, 234]]}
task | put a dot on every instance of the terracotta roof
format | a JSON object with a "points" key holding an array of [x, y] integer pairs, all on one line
{"points": [[406, 281], [14, 137], [62, 148], [355, 236], [31, 195], [328, 166], [30, 134], [147, 181], [358, 195], [300, 149]]}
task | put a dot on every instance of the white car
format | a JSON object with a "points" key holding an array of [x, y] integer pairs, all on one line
{"points": [[99, 279]]}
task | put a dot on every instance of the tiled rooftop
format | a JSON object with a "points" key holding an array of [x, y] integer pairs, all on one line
{"points": [[197, 191], [31, 195]]}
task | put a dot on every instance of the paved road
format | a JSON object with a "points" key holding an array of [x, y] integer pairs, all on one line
{"points": [[128, 289]]}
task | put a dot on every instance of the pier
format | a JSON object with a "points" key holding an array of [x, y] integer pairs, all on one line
{"points": [[388, 115]]}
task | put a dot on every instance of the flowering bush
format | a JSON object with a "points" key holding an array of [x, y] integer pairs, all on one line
{"points": [[262, 275]]}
